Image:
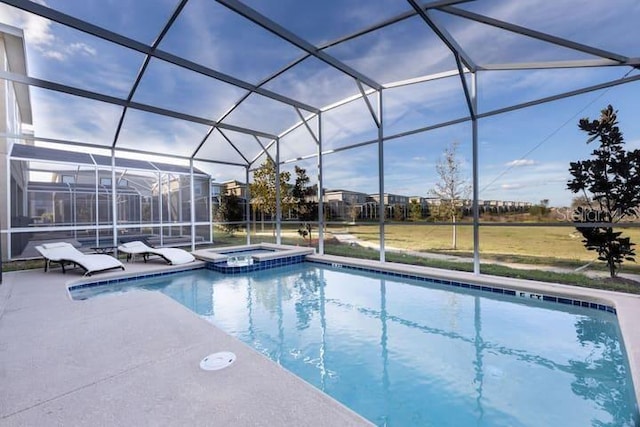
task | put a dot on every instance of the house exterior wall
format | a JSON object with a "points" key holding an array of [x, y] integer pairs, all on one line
{"points": [[13, 175]]}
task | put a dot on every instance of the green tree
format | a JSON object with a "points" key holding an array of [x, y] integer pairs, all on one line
{"points": [[229, 213], [398, 212], [611, 181], [415, 211], [263, 189], [306, 209], [452, 189], [541, 209]]}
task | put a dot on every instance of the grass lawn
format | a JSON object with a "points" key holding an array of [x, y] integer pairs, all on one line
{"points": [[553, 246], [561, 246], [575, 279]]}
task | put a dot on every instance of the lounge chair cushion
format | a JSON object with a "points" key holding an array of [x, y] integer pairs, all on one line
{"points": [[56, 245], [64, 252], [173, 256]]}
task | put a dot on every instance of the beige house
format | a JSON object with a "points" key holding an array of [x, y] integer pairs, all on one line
{"points": [[16, 119]]}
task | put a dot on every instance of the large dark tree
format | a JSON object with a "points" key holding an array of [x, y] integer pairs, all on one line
{"points": [[230, 213], [305, 207], [610, 182]]}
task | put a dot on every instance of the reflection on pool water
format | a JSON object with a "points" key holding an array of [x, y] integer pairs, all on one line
{"points": [[401, 353]]}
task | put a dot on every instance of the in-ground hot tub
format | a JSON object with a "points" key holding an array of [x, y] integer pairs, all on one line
{"points": [[240, 259]]}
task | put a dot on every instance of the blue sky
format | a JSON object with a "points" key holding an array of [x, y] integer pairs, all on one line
{"points": [[523, 155]]}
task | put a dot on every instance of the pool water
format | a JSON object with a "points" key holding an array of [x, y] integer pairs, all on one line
{"points": [[400, 353]]}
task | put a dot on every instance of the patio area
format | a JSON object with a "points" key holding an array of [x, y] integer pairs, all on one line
{"points": [[133, 359]]}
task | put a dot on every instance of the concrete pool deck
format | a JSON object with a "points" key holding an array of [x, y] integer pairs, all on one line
{"points": [[133, 359]]}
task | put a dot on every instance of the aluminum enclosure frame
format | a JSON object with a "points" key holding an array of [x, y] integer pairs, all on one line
{"points": [[366, 85]]}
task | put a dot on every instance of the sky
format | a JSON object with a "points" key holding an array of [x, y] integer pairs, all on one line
{"points": [[523, 155]]}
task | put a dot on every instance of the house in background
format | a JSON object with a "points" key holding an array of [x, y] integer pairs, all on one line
{"points": [[16, 119]]}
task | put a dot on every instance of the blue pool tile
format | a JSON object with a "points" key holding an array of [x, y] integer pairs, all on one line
{"points": [[293, 260]]}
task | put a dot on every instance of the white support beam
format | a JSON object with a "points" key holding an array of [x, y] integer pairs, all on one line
{"points": [[563, 95], [447, 39], [475, 179], [377, 120], [192, 195], [114, 200], [247, 205], [226, 138], [320, 189], [265, 150], [381, 207], [278, 198], [306, 124], [580, 63]]}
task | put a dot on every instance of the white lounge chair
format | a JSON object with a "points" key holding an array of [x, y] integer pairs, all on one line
{"points": [[65, 254], [173, 256]]}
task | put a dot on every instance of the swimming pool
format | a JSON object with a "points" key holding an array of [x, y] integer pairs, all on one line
{"points": [[401, 353]]}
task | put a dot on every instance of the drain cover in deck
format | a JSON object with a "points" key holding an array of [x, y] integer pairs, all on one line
{"points": [[217, 361]]}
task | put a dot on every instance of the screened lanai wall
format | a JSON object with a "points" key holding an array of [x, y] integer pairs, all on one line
{"points": [[366, 101], [90, 201]]}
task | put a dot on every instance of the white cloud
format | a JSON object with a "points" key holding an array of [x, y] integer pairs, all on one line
{"points": [[71, 118], [39, 34], [64, 52], [511, 186], [53, 54], [521, 162], [82, 48]]}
